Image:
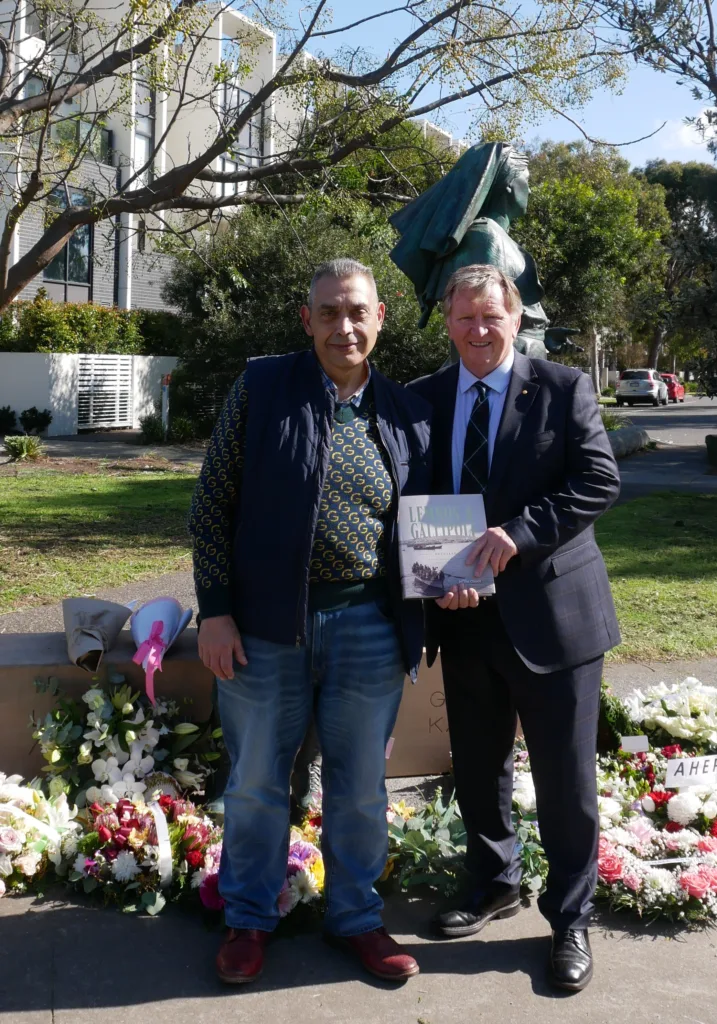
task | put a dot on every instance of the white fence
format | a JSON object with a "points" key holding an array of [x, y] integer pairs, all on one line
{"points": [[83, 390]]}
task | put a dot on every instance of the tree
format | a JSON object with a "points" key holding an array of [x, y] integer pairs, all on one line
{"points": [[240, 293], [56, 96], [684, 315], [596, 234]]}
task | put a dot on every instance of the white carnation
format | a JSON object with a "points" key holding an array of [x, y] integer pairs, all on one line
{"points": [[684, 808], [124, 867], [524, 792]]}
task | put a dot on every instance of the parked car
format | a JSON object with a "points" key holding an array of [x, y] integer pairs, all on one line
{"points": [[641, 386], [675, 387]]}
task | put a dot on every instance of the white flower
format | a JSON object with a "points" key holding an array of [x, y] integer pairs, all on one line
{"points": [[68, 844], [124, 867], [94, 699], [11, 841], [304, 886], [660, 880], [684, 808], [188, 780], [28, 862], [84, 754], [709, 809], [524, 792], [610, 811], [79, 864], [181, 763], [2, 888], [146, 765], [106, 771], [5, 865], [648, 805], [93, 795]]}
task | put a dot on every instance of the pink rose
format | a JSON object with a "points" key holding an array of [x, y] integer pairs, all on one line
{"points": [[610, 866], [695, 884], [10, 841], [707, 844], [631, 880]]}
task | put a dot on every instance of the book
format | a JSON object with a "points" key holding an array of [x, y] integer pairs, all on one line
{"points": [[435, 535]]}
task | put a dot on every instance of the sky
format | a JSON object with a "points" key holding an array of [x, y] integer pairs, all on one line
{"points": [[648, 99]]}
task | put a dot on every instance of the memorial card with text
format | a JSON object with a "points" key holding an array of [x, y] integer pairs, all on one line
{"points": [[436, 533]]}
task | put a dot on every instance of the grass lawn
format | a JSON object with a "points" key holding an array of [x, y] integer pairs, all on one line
{"points": [[66, 534], [661, 555]]}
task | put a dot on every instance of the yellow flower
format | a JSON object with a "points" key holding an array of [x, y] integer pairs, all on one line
{"points": [[317, 872], [388, 870], [402, 810]]}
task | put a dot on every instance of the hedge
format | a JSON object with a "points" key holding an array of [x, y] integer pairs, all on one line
{"points": [[41, 325]]}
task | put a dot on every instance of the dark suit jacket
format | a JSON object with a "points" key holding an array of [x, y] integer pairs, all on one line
{"points": [[552, 474]]}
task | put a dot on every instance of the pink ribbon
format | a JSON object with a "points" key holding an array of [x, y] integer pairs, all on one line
{"points": [[152, 649]]}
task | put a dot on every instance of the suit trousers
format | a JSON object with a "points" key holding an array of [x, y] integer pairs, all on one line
{"points": [[487, 686]]}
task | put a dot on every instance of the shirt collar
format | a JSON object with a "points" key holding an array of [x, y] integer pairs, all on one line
{"points": [[497, 379], [354, 399]]}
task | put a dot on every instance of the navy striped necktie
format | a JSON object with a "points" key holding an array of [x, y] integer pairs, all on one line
{"points": [[474, 475]]}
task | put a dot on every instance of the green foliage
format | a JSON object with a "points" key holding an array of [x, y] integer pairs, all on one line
{"points": [[596, 233], [608, 392], [429, 847], [34, 421], [614, 722], [23, 446], [152, 428], [613, 420], [8, 420], [41, 325], [182, 430], [240, 297]]}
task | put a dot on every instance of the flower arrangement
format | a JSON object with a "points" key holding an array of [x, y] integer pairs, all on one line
{"points": [[112, 744], [34, 833], [140, 854], [684, 711]]}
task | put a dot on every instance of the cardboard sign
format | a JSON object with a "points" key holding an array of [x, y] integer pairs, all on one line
{"points": [[691, 771], [635, 744]]}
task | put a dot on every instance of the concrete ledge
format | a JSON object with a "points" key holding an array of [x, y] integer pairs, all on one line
{"points": [[626, 440], [421, 744]]}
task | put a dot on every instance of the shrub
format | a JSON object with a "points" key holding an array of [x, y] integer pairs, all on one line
{"points": [[182, 430], [152, 429], [33, 420], [692, 387], [613, 420], [8, 421], [24, 446], [608, 392], [42, 325]]}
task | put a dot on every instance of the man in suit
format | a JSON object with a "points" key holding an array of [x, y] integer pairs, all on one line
{"points": [[527, 434]]}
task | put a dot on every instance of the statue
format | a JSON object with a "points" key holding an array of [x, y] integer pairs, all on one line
{"points": [[464, 219]]}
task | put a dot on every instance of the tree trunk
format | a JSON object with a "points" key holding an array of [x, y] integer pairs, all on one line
{"points": [[594, 359], [658, 337]]}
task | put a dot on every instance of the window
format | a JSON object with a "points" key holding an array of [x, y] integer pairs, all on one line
{"points": [[34, 85], [248, 146], [144, 132], [635, 375], [228, 166], [68, 275], [141, 234]]}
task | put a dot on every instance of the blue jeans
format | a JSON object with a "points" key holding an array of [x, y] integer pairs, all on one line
{"points": [[353, 659]]}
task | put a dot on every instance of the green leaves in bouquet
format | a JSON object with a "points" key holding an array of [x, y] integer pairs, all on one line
{"points": [[428, 848], [614, 722]]}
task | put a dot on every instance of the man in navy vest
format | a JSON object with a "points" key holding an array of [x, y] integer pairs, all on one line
{"points": [[294, 529], [527, 435]]}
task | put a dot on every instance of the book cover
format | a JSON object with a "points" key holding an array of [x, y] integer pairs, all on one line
{"points": [[435, 533]]}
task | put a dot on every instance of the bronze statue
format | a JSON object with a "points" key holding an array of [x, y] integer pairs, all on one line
{"points": [[465, 219]]}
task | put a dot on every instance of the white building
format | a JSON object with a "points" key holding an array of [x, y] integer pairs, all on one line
{"points": [[113, 264]]}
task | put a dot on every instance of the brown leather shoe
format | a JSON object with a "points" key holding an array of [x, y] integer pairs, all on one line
{"points": [[379, 954], [241, 956]]}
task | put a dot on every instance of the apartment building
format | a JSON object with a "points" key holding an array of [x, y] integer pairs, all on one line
{"points": [[117, 263]]}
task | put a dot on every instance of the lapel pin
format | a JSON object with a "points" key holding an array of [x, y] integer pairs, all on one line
{"points": [[524, 392]]}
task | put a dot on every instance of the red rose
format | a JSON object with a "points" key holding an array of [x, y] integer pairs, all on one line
{"points": [[673, 826], [194, 858], [672, 750], [104, 834], [610, 868], [713, 828]]}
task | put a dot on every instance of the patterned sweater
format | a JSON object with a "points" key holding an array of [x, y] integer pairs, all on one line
{"points": [[356, 500]]}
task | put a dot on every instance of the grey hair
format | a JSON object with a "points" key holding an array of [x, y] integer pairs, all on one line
{"points": [[342, 267], [478, 277]]}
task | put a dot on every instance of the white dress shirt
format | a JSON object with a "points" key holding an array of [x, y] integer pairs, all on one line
{"points": [[497, 382]]}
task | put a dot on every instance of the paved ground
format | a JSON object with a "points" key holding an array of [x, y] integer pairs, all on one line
{"points": [[685, 423], [70, 964], [117, 445]]}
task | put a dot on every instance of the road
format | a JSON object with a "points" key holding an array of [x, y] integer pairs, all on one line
{"points": [[683, 424]]}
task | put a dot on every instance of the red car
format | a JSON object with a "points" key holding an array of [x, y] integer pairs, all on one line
{"points": [[675, 387]]}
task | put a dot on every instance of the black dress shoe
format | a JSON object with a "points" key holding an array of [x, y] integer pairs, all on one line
{"points": [[475, 914], [571, 962]]}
